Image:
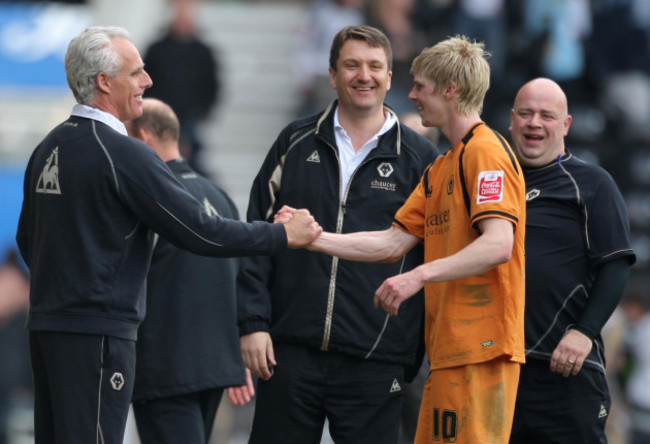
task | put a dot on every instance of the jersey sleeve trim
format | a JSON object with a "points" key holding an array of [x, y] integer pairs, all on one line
{"points": [[499, 214]]}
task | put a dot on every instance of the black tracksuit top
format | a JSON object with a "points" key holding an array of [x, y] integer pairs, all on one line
{"points": [[309, 298], [92, 199]]}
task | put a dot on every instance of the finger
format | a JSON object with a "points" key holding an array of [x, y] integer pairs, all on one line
{"points": [[231, 396], [270, 355], [557, 365], [286, 209], [577, 367], [235, 396], [242, 395], [282, 218]]}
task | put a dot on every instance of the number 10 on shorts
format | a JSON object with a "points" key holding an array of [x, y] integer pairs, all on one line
{"points": [[444, 425]]}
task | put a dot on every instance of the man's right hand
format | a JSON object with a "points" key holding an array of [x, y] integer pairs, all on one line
{"points": [[302, 229], [257, 353]]}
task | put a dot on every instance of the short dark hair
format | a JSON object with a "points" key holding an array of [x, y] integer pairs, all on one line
{"points": [[372, 36]]}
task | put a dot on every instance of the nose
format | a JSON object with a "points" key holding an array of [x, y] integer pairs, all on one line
{"points": [[534, 120], [411, 95], [148, 81], [364, 72]]}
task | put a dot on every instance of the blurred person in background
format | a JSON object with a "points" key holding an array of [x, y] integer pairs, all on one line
{"points": [[15, 374], [93, 197], [396, 19], [188, 345], [578, 258], [325, 18], [186, 74], [308, 327], [636, 306]]}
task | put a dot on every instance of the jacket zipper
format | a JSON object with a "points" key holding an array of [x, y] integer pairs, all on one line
{"points": [[335, 260]]}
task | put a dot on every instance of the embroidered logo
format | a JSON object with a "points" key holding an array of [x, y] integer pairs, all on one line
{"points": [[209, 208], [314, 157], [117, 381], [385, 169], [48, 181], [487, 343], [450, 185], [395, 387], [490, 187], [532, 194], [603, 411]]}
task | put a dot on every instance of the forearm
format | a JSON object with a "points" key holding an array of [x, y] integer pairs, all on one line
{"points": [[366, 246], [489, 250], [606, 292]]}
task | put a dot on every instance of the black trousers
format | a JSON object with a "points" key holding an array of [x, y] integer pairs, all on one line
{"points": [[82, 387], [553, 409], [361, 399], [186, 418]]}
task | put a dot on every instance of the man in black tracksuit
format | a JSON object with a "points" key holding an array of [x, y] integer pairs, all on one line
{"points": [[311, 315], [578, 259], [92, 199], [188, 345]]}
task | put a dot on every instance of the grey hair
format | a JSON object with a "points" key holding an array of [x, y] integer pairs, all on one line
{"points": [[90, 53]]}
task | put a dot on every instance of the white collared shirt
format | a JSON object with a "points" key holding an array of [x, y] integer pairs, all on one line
{"points": [[89, 112], [348, 158]]}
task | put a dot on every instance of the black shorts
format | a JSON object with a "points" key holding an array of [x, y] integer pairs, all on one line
{"points": [[361, 399], [82, 387], [552, 408]]}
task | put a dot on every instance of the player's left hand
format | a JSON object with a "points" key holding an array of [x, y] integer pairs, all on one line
{"points": [[396, 290], [570, 354]]}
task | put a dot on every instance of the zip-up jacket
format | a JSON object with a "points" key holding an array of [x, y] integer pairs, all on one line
{"points": [[314, 299], [92, 197]]}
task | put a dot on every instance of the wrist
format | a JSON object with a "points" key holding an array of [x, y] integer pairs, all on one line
{"points": [[585, 331]]}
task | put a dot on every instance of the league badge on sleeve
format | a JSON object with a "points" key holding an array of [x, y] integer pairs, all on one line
{"points": [[490, 186]]}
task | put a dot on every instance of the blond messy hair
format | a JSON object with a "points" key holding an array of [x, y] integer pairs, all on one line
{"points": [[460, 62]]}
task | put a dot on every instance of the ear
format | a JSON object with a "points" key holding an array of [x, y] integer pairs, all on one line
{"points": [[450, 91], [146, 136], [332, 75], [567, 124], [103, 82]]}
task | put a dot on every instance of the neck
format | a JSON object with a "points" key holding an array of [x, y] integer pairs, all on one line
{"points": [[361, 126], [456, 128], [167, 151]]}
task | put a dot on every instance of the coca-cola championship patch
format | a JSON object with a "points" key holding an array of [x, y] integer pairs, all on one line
{"points": [[490, 187]]}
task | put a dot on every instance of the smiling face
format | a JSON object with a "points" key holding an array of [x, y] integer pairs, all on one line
{"points": [[121, 95], [431, 104], [539, 122], [361, 77]]}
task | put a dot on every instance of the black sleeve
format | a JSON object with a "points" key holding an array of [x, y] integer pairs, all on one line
{"points": [[255, 276], [606, 292], [151, 191], [21, 233]]}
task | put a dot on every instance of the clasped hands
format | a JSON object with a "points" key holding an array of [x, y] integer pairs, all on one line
{"points": [[390, 295], [301, 226]]}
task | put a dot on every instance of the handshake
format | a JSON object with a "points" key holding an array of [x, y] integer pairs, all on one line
{"points": [[302, 228]]}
